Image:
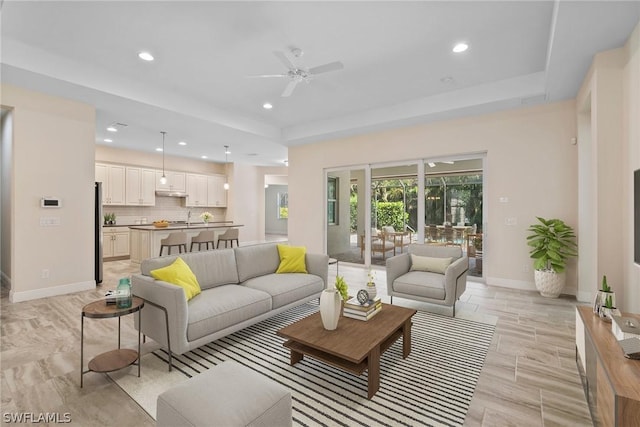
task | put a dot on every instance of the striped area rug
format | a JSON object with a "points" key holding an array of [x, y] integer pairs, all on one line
{"points": [[433, 386]]}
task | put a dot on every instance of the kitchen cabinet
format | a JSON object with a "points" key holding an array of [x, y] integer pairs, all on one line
{"points": [[176, 181], [140, 187], [216, 194], [115, 242], [196, 190], [139, 245], [112, 178]]}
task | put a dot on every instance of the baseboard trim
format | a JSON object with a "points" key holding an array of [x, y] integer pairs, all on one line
{"points": [[511, 283], [51, 292]]}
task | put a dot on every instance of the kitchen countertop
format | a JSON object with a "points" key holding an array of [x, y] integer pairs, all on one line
{"points": [[186, 227]]}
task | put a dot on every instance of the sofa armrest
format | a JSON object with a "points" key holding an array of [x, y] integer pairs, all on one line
{"points": [[396, 267], [318, 264], [455, 277], [173, 299]]}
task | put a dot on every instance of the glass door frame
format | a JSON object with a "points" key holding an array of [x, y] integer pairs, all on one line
{"points": [[420, 164]]}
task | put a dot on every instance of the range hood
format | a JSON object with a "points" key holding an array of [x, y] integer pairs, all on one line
{"points": [[170, 193]]}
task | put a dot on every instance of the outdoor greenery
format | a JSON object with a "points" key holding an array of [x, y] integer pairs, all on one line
{"points": [[461, 193]]}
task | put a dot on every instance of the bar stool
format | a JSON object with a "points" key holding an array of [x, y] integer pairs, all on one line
{"points": [[204, 237], [178, 239], [230, 235]]}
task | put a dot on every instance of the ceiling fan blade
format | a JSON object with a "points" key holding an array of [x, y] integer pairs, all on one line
{"points": [[267, 75], [332, 66], [283, 58], [289, 89]]}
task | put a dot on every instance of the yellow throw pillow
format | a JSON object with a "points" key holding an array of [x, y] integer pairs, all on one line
{"points": [[179, 274], [292, 259], [425, 263]]}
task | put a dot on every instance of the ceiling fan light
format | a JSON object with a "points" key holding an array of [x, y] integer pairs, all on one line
{"points": [[267, 106]]}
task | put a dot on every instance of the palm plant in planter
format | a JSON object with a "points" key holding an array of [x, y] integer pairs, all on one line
{"points": [[552, 244]]}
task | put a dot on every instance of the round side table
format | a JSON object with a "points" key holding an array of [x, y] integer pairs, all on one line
{"points": [[114, 359]]}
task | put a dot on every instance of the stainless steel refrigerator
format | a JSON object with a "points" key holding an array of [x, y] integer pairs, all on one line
{"points": [[98, 232]]}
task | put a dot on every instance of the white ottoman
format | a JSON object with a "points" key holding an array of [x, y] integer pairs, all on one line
{"points": [[226, 395]]}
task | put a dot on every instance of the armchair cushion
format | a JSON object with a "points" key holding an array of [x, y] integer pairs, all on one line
{"points": [[422, 284], [434, 265]]}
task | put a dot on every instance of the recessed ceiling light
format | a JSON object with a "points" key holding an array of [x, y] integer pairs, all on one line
{"points": [[204, 157], [267, 106], [460, 47], [145, 56], [108, 140], [182, 143], [158, 149], [446, 80], [112, 129]]}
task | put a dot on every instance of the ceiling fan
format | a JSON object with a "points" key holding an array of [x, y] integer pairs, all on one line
{"points": [[297, 74]]}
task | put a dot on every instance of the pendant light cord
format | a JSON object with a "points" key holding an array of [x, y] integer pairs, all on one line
{"points": [[163, 134]]}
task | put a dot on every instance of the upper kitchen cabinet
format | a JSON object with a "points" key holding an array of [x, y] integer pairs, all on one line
{"points": [[141, 187], [196, 190], [176, 181], [112, 178], [216, 194]]}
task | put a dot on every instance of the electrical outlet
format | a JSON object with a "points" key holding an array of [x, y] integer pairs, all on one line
{"points": [[526, 268], [510, 221], [45, 273]]}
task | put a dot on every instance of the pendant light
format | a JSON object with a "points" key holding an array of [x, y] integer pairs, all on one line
{"points": [[163, 179], [226, 162]]}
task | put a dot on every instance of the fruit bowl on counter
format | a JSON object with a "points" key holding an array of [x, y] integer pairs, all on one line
{"points": [[163, 223]]}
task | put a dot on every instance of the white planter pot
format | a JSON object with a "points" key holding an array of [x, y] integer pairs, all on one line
{"points": [[372, 291], [330, 308], [549, 283]]}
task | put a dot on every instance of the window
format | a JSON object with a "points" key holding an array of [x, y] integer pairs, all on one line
{"points": [[283, 205], [332, 201]]}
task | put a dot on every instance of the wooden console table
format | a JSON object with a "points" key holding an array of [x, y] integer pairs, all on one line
{"points": [[611, 381]]}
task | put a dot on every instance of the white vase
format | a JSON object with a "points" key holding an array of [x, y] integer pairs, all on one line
{"points": [[330, 308], [549, 283], [372, 291]]}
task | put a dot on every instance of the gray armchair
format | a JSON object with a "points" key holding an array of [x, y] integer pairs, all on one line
{"points": [[422, 283]]}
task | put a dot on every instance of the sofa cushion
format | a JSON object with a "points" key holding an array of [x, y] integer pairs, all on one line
{"points": [[421, 283], [223, 306], [212, 268], [179, 274], [292, 259], [432, 264], [287, 287], [257, 260]]}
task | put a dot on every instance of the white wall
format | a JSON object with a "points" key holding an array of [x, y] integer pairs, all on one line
{"points": [[53, 155], [530, 160], [631, 154], [609, 140]]}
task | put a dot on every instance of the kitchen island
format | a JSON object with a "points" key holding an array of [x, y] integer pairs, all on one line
{"points": [[145, 239]]}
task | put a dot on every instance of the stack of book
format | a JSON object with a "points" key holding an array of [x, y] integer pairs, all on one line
{"points": [[354, 310]]}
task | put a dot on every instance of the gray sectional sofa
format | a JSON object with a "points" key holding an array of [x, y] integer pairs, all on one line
{"points": [[239, 288]]}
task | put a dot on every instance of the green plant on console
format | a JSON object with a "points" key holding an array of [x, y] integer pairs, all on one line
{"points": [[553, 243], [341, 286], [608, 302], [605, 287]]}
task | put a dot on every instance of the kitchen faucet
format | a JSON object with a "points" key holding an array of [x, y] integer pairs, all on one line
{"points": [[189, 218]]}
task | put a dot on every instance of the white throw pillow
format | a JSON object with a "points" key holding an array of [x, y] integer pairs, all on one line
{"points": [[425, 263]]}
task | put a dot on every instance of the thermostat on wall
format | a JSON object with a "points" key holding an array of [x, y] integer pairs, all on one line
{"points": [[50, 202]]}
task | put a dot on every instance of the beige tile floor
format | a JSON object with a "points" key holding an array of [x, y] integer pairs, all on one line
{"points": [[529, 377]]}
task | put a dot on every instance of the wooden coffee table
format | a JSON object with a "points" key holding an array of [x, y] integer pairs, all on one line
{"points": [[355, 345]]}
